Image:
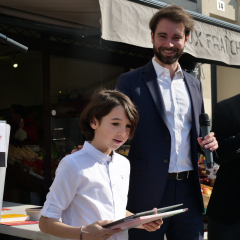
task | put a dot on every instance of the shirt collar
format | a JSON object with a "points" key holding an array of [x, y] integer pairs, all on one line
{"points": [[95, 153], [160, 69]]}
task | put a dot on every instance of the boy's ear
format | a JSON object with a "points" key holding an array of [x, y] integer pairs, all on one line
{"points": [[93, 123]]}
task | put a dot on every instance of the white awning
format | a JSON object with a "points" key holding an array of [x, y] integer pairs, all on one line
{"points": [[127, 22]]}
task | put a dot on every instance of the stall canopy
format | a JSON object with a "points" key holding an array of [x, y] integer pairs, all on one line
{"points": [[68, 13], [127, 22]]}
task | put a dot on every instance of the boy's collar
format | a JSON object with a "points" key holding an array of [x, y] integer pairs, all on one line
{"points": [[95, 153]]}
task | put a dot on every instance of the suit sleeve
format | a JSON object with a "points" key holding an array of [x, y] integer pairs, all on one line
{"points": [[123, 85], [228, 144]]}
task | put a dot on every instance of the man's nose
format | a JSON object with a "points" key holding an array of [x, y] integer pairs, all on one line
{"points": [[169, 43]]}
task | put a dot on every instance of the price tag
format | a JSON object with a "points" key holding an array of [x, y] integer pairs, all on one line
{"points": [[221, 6]]}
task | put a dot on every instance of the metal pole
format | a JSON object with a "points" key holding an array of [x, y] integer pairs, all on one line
{"points": [[47, 122]]}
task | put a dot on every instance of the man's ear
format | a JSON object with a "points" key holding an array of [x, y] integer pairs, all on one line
{"points": [[152, 37], [94, 123], [186, 40]]}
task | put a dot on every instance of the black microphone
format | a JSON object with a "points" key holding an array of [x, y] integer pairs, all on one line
{"points": [[205, 129]]}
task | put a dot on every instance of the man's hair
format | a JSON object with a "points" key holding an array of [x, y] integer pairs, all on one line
{"points": [[101, 104], [175, 14]]}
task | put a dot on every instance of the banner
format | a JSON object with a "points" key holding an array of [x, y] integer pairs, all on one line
{"points": [[127, 22]]}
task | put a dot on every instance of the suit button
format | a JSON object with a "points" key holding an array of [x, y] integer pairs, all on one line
{"points": [[165, 161], [168, 138]]}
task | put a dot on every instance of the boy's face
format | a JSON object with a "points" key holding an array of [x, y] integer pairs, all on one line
{"points": [[112, 132]]}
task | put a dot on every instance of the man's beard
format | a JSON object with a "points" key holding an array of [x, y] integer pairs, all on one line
{"points": [[167, 59]]}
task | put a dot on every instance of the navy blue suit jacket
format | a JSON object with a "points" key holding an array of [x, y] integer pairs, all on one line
{"points": [[149, 154]]}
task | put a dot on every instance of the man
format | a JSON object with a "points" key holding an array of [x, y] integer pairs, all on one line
{"points": [[163, 153], [224, 206], [23, 129]]}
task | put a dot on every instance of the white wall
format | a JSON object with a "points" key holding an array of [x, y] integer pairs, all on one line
{"points": [[209, 8], [206, 84], [228, 82]]}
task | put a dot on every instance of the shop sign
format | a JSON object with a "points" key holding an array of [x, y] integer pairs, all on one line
{"points": [[127, 22], [214, 43]]}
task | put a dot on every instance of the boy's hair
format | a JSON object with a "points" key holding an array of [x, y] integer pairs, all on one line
{"points": [[101, 104], [175, 14]]}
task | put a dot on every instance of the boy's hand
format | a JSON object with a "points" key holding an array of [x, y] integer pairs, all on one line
{"points": [[96, 232]]}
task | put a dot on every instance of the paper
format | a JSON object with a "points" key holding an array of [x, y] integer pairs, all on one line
{"points": [[19, 223], [135, 222], [148, 214], [13, 217]]}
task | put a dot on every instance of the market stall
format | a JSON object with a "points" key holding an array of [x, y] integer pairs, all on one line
{"points": [[29, 231]]}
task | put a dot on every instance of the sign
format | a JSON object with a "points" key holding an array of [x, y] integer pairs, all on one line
{"points": [[127, 22], [221, 6], [214, 43], [4, 142]]}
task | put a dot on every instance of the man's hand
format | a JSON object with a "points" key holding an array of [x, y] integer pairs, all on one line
{"points": [[152, 226], [210, 142], [79, 148]]}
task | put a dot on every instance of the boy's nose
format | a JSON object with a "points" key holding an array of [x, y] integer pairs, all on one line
{"points": [[122, 132]]}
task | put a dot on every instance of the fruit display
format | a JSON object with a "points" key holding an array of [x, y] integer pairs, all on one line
{"points": [[206, 190], [206, 193], [31, 161], [203, 172], [207, 176], [24, 154]]}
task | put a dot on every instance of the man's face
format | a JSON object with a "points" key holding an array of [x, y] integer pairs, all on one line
{"points": [[168, 41]]}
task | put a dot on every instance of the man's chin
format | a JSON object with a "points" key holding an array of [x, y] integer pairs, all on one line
{"points": [[168, 61]]}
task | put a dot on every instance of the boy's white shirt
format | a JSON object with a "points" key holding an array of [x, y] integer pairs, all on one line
{"points": [[89, 186]]}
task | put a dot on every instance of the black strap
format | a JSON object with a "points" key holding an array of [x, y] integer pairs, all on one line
{"points": [[2, 159]]}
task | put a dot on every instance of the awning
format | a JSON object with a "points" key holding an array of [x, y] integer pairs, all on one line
{"points": [[69, 13], [127, 22]]}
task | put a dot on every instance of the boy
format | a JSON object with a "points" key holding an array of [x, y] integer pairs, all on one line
{"points": [[92, 184]]}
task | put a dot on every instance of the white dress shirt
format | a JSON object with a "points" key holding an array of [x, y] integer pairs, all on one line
{"points": [[89, 186], [178, 111]]}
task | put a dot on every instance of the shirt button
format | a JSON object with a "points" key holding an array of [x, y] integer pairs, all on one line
{"points": [[168, 138], [165, 161]]}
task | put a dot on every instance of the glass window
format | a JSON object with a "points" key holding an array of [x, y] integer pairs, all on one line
{"points": [[21, 106], [73, 81]]}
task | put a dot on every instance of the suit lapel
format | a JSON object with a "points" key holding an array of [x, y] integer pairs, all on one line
{"points": [[150, 78], [194, 93]]}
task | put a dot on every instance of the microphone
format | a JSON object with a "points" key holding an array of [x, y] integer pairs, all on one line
{"points": [[205, 129]]}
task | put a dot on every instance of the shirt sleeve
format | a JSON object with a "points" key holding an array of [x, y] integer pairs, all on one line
{"points": [[63, 189]]}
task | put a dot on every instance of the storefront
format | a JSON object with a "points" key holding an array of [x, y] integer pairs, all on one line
{"points": [[68, 58], [51, 86]]}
